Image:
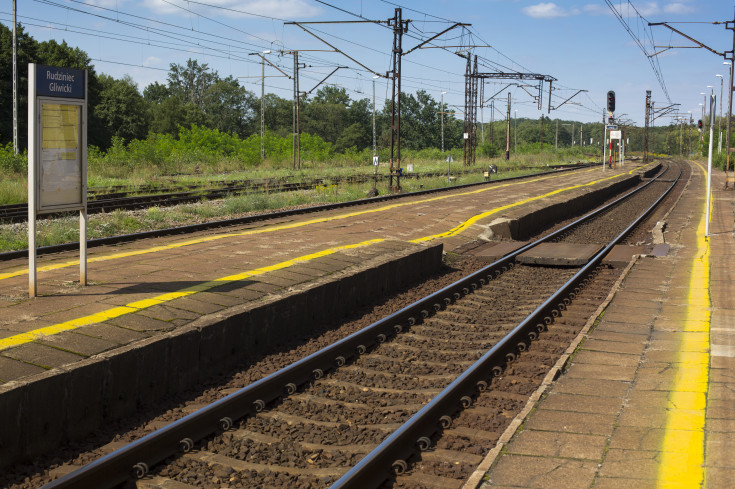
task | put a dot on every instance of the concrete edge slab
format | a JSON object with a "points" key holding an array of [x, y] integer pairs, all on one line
{"points": [[68, 403], [474, 481]]}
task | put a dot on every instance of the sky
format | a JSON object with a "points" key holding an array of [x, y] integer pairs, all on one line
{"points": [[581, 43]]}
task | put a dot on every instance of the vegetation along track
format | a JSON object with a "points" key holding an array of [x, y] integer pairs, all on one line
{"points": [[122, 198], [305, 425], [11, 255]]}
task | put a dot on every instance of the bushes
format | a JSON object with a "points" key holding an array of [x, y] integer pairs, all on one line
{"points": [[11, 162], [199, 148]]}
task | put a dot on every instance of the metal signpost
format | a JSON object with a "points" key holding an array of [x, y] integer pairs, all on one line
{"points": [[709, 164], [57, 153]]}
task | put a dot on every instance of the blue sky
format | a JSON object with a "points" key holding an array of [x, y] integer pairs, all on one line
{"points": [[580, 43]]}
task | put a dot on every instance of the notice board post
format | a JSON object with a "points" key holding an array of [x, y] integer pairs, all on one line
{"points": [[57, 154]]}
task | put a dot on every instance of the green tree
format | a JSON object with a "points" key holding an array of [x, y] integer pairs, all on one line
{"points": [[171, 113], [156, 93], [190, 83], [121, 109], [229, 107], [26, 53]]}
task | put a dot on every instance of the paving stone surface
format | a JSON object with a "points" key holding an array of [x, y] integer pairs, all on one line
{"points": [[657, 346]]}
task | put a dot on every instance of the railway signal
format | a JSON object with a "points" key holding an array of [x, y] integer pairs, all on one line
{"points": [[699, 124], [611, 101]]}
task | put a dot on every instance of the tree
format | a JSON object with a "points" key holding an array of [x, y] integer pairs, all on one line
{"points": [[229, 107], [278, 114], [156, 93], [191, 82], [121, 109], [354, 136], [172, 113], [26, 53]]}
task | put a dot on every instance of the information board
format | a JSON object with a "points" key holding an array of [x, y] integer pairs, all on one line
{"points": [[57, 153], [60, 169]]}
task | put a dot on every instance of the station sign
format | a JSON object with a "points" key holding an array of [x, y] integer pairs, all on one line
{"points": [[612, 127], [57, 152], [58, 139], [52, 81]]}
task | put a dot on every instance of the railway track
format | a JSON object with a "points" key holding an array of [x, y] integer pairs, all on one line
{"points": [[125, 198], [11, 255], [416, 398]]}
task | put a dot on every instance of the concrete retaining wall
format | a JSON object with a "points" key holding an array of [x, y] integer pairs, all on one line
{"points": [[541, 216], [65, 404]]}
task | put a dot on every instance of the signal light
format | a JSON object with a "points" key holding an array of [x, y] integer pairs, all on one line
{"points": [[611, 101], [699, 123]]}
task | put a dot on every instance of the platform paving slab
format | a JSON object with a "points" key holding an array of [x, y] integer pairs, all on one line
{"points": [[633, 450]]}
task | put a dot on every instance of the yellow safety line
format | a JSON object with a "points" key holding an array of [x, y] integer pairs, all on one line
{"points": [[143, 304], [270, 229], [115, 312], [682, 456], [469, 222]]}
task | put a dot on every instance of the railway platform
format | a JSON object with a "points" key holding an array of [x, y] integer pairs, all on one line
{"points": [[158, 315], [646, 399]]}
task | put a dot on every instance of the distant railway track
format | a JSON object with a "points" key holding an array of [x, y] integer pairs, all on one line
{"points": [[145, 196], [394, 396], [10, 255]]}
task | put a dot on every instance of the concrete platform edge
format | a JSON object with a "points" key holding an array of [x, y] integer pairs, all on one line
{"points": [[474, 481], [68, 403]]}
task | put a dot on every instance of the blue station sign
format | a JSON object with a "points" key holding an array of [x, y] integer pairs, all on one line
{"points": [[52, 81]]}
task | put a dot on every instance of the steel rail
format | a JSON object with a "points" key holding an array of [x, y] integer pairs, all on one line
{"points": [[191, 228], [135, 459], [390, 456]]}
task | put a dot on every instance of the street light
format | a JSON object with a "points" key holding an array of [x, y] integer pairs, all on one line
{"points": [[719, 122], [727, 129], [704, 111], [375, 146], [515, 132]]}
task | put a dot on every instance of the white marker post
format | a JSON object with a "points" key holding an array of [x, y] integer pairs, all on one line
{"points": [[709, 163], [57, 154]]}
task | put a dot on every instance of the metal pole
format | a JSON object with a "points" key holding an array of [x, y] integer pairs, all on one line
{"points": [[507, 131], [375, 146], [262, 109], [604, 140], [295, 99], [442, 114], [556, 136], [729, 111], [15, 84], [482, 111], [709, 164], [298, 107], [719, 122], [515, 132]]}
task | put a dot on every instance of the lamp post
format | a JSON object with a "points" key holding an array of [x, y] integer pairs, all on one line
{"points": [[375, 146], [515, 132], [704, 111], [442, 114], [719, 122], [727, 128]]}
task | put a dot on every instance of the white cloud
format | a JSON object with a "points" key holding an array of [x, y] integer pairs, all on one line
{"points": [[153, 61], [282, 9], [677, 8], [645, 9], [547, 11]]}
